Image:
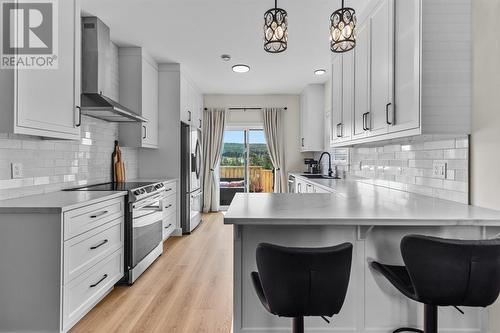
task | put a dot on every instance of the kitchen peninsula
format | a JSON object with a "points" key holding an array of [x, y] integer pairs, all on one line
{"points": [[373, 219]]}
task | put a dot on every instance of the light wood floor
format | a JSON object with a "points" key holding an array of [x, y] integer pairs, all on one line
{"points": [[188, 289]]}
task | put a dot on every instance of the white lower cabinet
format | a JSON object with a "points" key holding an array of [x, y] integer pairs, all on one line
{"points": [[93, 261], [170, 211], [303, 185], [81, 294], [59, 262]]}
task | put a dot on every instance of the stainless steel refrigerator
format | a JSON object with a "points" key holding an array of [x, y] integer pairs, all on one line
{"points": [[191, 173]]}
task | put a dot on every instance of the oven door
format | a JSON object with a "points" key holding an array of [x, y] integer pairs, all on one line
{"points": [[147, 216]]}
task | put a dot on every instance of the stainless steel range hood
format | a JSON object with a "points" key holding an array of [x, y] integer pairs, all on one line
{"points": [[96, 75]]}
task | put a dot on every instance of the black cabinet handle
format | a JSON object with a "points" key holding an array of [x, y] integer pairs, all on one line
{"points": [[387, 114], [200, 122], [339, 130], [189, 115], [302, 142], [168, 189], [168, 206], [99, 245], [145, 131], [365, 121], [98, 214], [168, 226], [97, 283], [79, 116]]}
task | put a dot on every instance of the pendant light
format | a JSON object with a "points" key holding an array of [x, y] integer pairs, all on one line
{"points": [[275, 29], [343, 29]]}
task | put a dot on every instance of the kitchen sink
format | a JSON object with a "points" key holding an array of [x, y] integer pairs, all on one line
{"points": [[310, 176]]}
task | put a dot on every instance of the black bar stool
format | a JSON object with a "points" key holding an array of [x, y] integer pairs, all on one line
{"points": [[299, 282], [445, 272]]}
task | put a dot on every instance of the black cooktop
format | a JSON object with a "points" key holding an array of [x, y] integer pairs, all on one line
{"points": [[127, 186]]}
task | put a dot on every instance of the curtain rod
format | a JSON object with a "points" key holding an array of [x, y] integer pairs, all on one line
{"points": [[244, 109]]}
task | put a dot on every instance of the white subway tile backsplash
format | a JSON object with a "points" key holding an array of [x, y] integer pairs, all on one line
{"points": [[456, 154], [52, 165], [407, 165], [462, 143], [429, 155], [430, 182], [455, 185], [423, 164], [443, 144], [458, 164]]}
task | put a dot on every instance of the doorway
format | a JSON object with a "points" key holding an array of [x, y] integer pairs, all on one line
{"points": [[245, 164]]}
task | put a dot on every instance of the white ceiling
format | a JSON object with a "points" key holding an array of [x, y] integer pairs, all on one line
{"points": [[196, 32]]}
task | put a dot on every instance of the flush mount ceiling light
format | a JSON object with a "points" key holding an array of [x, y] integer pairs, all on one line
{"points": [[319, 71], [275, 29], [343, 29], [225, 57], [240, 68]]}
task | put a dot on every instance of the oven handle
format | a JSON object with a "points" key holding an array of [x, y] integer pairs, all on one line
{"points": [[150, 213], [145, 202]]}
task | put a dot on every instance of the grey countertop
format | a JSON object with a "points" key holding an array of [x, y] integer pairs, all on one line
{"points": [[56, 202], [354, 203]]}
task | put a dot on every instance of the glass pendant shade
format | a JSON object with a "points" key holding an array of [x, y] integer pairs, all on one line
{"points": [[343, 29], [275, 30]]}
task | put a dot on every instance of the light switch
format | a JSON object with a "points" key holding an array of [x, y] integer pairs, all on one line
{"points": [[17, 170], [439, 169]]}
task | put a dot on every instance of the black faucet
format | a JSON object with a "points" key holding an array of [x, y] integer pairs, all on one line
{"points": [[330, 171]]}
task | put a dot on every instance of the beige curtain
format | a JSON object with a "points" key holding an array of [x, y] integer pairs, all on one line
{"points": [[273, 128], [214, 121]]}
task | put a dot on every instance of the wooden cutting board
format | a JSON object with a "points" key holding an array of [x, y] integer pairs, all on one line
{"points": [[118, 165]]}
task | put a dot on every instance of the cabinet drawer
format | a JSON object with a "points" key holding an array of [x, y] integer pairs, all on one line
{"points": [[169, 205], [85, 250], [81, 294], [169, 225], [170, 188], [86, 218]]}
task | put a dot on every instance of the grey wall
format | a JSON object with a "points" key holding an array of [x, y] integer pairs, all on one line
{"points": [[485, 140]]}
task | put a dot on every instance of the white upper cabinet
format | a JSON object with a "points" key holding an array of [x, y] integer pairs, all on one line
{"points": [[191, 102], [361, 118], [412, 73], [186, 110], [342, 95], [45, 102], [381, 67], [139, 92], [312, 110], [337, 126]]}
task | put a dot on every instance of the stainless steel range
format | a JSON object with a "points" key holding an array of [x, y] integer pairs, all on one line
{"points": [[143, 223]]}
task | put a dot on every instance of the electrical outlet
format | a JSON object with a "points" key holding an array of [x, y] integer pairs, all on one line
{"points": [[439, 169], [17, 170]]}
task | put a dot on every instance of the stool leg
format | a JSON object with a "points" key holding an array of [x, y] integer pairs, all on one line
{"points": [[430, 319], [298, 325]]}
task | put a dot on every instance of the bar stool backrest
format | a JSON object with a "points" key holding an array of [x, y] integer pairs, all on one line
{"points": [[447, 272], [304, 281]]}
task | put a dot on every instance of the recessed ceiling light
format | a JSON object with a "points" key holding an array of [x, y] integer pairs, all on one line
{"points": [[320, 71], [240, 68], [225, 57]]}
